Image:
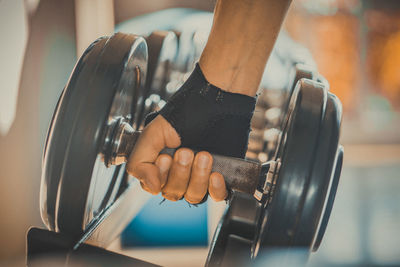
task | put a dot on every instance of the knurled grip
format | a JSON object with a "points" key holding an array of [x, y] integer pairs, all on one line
{"points": [[239, 174]]}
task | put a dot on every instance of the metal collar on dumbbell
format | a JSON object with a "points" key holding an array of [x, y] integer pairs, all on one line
{"points": [[119, 142], [265, 191]]}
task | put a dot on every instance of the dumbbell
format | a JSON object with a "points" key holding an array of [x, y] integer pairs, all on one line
{"points": [[77, 187], [267, 128], [93, 131], [261, 141], [262, 146], [301, 179]]}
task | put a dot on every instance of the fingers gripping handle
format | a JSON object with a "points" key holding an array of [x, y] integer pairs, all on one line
{"points": [[239, 174]]}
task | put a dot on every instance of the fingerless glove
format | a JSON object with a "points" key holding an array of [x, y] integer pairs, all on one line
{"points": [[208, 118]]}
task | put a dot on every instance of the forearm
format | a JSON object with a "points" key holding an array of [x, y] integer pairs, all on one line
{"points": [[241, 40]]}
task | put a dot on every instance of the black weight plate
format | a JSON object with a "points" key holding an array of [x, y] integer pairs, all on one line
{"points": [[116, 86], [296, 152], [316, 192], [240, 219], [294, 216], [112, 90], [330, 199], [57, 133]]}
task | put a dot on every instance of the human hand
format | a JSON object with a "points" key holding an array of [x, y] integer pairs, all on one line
{"points": [[185, 175]]}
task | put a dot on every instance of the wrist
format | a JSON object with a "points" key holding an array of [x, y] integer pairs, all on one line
{"points": [[230, 73]]}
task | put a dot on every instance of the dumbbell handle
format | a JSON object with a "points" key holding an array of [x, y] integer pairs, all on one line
{"points": [[239, 174]]}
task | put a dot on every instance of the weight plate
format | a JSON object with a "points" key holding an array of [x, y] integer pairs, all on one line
{"points": [[320, 176], [112, 88], [240, 219], [51, 163], [295, 153], [307, 152], [306, 156], [330, 199]]}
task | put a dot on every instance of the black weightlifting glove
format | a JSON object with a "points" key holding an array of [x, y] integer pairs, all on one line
{"points": [[208, 118]]}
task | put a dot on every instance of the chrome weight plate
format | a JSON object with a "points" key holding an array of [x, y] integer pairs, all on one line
{"points": [[112, 88]]}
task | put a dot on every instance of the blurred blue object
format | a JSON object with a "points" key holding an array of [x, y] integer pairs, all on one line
{"points": [[167, 224]]}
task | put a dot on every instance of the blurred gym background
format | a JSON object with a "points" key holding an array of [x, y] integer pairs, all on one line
{"points": [[356, 45]]}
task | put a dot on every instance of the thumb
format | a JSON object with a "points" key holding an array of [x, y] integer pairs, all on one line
{"points": [[141, 163]]}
